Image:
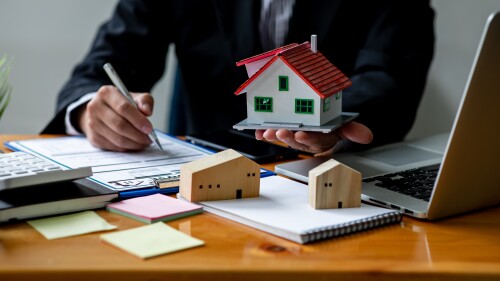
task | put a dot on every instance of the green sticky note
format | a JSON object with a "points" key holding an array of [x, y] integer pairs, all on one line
{"points": [[151, 240], [70, 225]]}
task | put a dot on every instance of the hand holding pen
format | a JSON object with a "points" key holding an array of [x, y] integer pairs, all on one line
{"points": [[111, 122], [123, 90]]}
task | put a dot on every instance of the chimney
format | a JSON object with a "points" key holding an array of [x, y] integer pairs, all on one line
{"points": [[314, 46]]}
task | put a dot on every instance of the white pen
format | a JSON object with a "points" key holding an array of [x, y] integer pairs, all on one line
{"points": [[121, 87]]}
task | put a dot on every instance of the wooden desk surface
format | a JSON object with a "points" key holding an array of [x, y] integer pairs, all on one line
{"points": [[460, 248]]}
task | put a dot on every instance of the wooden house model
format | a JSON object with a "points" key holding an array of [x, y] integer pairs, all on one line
{"points": [[292, 86], [334, 185], [220, 176]]}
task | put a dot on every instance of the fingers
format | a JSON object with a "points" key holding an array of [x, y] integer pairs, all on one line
{"points": [[270, 135], [104, 142], [288, 138], [312, 142], [119, 105], [111, 122], [259, 134], [145, 103], [356, 132], [319, 143]]}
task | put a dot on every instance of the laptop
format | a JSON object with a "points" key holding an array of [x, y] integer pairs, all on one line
{"points": [[442, 175]]}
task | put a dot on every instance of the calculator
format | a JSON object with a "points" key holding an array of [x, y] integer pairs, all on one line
{"points": [[19, 169]]}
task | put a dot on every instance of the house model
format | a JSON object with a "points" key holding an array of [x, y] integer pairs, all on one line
{"points": [[220, 176], [294, 87], [333, 185]]}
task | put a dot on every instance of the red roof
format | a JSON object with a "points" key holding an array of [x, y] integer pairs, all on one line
{"points": [[314, 68], [266, 54]]}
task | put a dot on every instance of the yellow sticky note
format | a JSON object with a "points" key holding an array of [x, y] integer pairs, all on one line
{"points": [[151, 240], [70, 225]]}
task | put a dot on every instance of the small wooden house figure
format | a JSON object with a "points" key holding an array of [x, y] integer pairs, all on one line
{"points": [[220, 176], [334, 185], [293, 86]]}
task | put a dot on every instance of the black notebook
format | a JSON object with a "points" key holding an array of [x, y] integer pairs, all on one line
{"points": [[51, 199], [282, 209]]}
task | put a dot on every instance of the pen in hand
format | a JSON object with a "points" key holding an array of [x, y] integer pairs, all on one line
{"points": [[123, 90]]}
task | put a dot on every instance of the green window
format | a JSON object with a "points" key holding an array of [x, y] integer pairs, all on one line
{"points": [[338, 95], [326, 104], [304, 106], [283, 83], [263, 104]]}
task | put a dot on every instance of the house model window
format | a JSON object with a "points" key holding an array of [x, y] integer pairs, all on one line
{"points": [[283, 83], [304, 106], [326, 104], [263, 104]]}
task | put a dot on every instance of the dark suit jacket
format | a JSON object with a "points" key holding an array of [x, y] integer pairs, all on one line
{"points": [[385, 47]]}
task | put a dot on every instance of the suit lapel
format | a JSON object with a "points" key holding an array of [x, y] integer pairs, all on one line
{"points": [[311, 17], [239, 26], [247, 42]]}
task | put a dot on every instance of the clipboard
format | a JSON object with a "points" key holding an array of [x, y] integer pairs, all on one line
{"points": [[129, 174]]}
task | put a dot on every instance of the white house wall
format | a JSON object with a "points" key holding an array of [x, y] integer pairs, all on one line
{"points": [[253, 67], [266, 85], [335, 109]]}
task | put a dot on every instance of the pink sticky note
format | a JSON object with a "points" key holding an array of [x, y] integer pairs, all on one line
{"points": [[153, 208]]}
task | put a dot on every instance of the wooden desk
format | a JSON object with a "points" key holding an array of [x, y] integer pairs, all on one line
{"points": [[460, 248]]}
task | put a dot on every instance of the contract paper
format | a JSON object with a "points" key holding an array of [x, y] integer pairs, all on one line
{"points": [[119, 171]]}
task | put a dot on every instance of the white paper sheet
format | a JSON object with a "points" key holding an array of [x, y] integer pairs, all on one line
{"points": [[116, 170], [283, 209]]}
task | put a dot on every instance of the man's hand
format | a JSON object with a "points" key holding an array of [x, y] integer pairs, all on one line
{"points": [[110, 122], [320, 144]]}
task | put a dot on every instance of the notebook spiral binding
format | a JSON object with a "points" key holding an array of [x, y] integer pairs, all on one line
{"points": [[351, 227]]}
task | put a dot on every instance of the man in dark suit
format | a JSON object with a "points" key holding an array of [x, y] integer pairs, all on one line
{"points": [[385, 47]]}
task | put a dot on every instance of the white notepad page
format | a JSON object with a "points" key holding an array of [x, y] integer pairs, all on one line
{"points": [[283, 209]]}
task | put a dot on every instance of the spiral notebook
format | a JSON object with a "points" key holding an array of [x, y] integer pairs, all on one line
{"points": [[282, 209]]}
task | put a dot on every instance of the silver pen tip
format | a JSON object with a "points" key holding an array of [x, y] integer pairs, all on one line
{"points": [[159, 145], [156, 141]]}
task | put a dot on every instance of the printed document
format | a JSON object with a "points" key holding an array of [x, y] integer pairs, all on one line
{"points": [[116, 170]]}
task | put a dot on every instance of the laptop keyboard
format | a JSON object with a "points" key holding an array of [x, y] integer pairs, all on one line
{"points": [[417, 183]]}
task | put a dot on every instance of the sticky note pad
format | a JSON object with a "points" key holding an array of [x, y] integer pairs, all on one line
{"points": [[154, 208], [151, 240], [70, 225]]}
